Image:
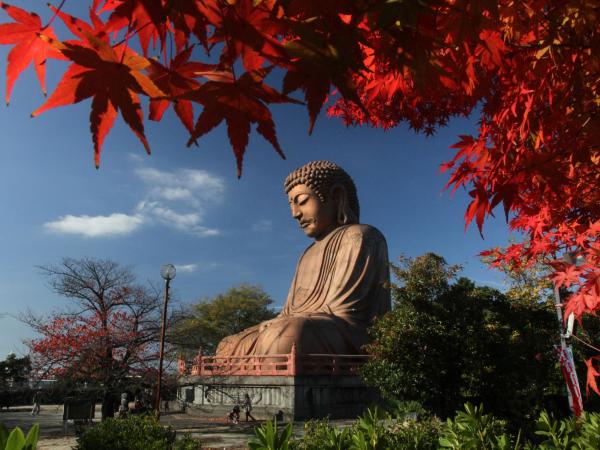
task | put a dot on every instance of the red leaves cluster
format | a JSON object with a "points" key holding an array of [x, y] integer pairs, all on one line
{"points": [[529, 69], [28, 48], [91, 346]]}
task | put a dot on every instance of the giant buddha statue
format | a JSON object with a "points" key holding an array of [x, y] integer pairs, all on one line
{"points": [[341, 281]]}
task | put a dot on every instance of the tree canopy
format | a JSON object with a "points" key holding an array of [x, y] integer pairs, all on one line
{"points": [[14, 371], [209, 320], [447, 341], [106, 336], [528, 71]]}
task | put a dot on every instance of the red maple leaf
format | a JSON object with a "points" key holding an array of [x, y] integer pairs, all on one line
{"points": [[146, 17], [240, 103], [478, 208], [175, 80], [187, 18], [566, 277], [249, 29], [82, 29], [592, 373], [113, 77], [29, 47]]}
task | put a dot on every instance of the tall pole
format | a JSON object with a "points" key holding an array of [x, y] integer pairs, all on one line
{"points": [[162, 347], [566, 361]]}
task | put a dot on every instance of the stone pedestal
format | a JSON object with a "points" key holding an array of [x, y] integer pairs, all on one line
{"points": [[288, 397]]}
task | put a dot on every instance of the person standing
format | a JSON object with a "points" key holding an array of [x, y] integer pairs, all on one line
{"points": [[37, 403], [248, 408]]}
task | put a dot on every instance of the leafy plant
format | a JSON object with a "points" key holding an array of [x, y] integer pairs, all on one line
{"points": [[320, 435], [558, 434], [268, 438], [187, 442], [447, 342], [16, 439], [589, 431], [130, 433], [369, 432], [414, 434], [471, 429]]}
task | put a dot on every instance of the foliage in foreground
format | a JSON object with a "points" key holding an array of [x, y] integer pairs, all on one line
{"points": [[133, 433], [16, 439], [470, 429], [267, 437]]}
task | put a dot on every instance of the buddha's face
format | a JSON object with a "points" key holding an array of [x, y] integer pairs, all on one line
{"points": [[316, 218]]}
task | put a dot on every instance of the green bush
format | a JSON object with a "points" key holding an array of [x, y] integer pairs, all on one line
{"points": [[268, 438], [16, 440], [402, 429], [473, 430], [319, 435], [131, 433], [414, 434], [447, 342], [374, 431], [187, 442]]}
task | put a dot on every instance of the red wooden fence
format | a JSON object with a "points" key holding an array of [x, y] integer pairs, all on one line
{"points": [[289, 364]]}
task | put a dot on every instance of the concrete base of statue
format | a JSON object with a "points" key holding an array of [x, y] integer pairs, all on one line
{"points": [[287, 398]]}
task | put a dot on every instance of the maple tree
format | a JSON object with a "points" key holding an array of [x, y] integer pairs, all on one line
{"points": [[527, 70], [108, 335]]}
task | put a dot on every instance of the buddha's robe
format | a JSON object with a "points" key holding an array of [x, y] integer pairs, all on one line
{"points": [[340, 286]]}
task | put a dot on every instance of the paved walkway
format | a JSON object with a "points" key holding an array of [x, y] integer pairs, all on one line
{"points": [[213, 434]]}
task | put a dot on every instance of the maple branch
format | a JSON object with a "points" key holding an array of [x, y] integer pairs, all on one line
{"points": [[127, 36], [62, 3], [585, 343], [228, 41]]}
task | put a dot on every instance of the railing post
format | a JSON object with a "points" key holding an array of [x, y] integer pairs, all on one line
{"points": [[199, 360], [292, 361], [181, 364]]}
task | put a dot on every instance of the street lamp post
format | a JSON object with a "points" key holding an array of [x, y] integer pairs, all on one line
{"points": [[167, 271]]}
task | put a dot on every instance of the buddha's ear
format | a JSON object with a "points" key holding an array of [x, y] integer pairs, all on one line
{"points": [[345, 215]]}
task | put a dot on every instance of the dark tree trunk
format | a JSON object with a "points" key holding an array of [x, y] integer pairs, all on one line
{"points": [[108, 405]]}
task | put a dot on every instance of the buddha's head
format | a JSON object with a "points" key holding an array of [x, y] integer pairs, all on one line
{"points": [[322, 197]]}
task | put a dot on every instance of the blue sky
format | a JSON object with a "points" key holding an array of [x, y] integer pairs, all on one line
{"points": [[185, 205]]}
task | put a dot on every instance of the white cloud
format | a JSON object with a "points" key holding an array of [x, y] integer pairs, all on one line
{"points": [[135, 157], [96, 226], [176, 193], [263, 225], [184, 184], [186, 268], [175, 199], [189, 222]]}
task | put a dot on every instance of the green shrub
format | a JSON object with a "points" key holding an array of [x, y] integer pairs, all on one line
{"points": [[187, 442], [374, 431], [447, 342], [320, 435], [567, 434], [589, 431], [131, 433], [369, 433], [473, 430], [413, 434], [556, 434], [16, 439], [268, 438]]}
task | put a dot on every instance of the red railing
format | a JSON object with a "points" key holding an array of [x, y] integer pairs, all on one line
{"points": [[289, 364]]}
